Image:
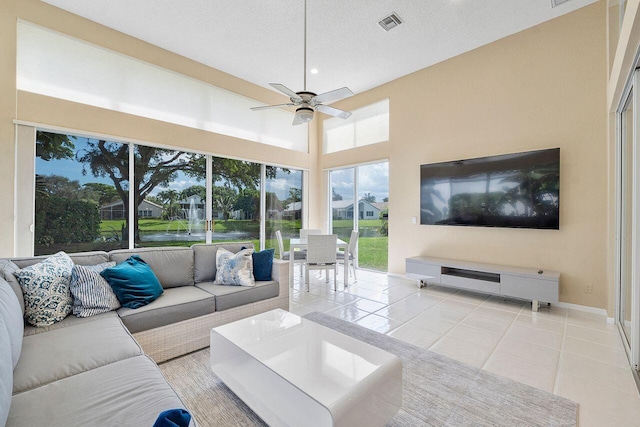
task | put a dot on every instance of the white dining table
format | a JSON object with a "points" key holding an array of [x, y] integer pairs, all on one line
{"points": [[301, 244]]}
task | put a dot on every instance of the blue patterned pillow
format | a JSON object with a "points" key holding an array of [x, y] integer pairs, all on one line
{"points": [[234, 269], [45, 287], [91, 293]]}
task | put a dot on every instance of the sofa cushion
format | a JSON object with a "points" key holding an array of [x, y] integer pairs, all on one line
{"points": [[45, 287], [172, 266], [7, 267], [235, 296], [71, 351], [174, 305], [234, 269], [205, 258], [80, 258], [131, 392], [133, 282], [6, 371], [67, 322], [12, 315], [91, 293]]}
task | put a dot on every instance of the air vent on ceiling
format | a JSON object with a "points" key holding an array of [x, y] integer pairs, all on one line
{"points": [[555, 3], [389, 22]]}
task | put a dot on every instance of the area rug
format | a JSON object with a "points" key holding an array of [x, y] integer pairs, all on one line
{"points": [[437, 390]]}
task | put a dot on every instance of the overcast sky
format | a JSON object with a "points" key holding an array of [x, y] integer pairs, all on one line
{"points": [[372, 179]]}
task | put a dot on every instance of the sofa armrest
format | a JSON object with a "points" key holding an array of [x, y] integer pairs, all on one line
{"points": [[280, 273]]}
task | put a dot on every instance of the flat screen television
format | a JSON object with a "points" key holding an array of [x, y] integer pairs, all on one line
{"points": [[519, 190]]}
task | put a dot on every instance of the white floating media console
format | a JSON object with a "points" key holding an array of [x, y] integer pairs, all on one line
{"points": [[516, 282]]}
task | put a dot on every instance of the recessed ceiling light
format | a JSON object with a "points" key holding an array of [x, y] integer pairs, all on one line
{"points": [[314, 71]]}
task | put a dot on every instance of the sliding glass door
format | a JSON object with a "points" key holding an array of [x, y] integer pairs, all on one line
{"points": [[360, 201], [628, 224]]}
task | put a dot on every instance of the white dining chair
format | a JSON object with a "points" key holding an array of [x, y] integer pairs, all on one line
{"points": [[305, 232], [299, 257], [321, 255], [348, 257]]}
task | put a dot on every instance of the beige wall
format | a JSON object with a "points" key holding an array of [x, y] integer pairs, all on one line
{"points": [[544, 87], [58, 113]]}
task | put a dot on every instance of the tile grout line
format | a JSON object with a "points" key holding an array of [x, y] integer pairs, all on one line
{"points": [[484, 365], [562, 345]]}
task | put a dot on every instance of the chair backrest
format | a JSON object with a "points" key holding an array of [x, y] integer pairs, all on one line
{"points": [[280, 244], [353, 243], [306, 232], [321, 249]]}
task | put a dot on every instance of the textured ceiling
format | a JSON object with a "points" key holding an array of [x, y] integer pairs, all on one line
{"points": [[261, 41]]}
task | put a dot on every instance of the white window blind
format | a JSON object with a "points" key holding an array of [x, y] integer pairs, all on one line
{"points": [[52, 64], [367, 125]]}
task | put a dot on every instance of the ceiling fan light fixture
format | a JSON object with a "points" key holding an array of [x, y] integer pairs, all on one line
{"points": [[304, 114]]}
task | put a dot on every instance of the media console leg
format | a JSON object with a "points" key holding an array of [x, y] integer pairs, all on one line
{"points": [[535, 305]]}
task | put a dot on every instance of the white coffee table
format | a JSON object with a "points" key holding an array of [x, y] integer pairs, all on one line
{"points": [[294, 372]]}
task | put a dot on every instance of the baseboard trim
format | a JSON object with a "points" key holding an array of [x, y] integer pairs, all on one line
{"points": [[585, 308]]}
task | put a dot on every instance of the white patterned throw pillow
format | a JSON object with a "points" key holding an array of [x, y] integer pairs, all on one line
{"points": [[91, 293], [45, 287], [234, 269]]}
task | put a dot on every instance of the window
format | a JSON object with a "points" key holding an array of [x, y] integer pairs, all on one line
{"points": [[236, 200], [82, 197], [283, 192], [367, 125], [170, 195], [78, 205]]}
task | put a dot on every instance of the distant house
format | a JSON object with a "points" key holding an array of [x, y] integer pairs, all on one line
{"points": [[383, 207], [343, 209], [292, 211], [146, 209]]}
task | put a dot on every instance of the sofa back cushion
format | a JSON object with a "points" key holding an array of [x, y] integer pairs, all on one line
{"points": [[205, 258], [80, 258], [11, 314], [7, 268], [172, 266]]}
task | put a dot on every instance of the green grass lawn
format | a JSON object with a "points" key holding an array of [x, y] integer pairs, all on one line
{"points": [[373, 253]]}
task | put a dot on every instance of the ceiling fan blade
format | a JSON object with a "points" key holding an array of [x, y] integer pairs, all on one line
{"points": [[265, 107], [333, 96], [333, 111], [291, 94]]}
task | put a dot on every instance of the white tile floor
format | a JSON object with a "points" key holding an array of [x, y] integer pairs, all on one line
{"points": [[570, 353]]}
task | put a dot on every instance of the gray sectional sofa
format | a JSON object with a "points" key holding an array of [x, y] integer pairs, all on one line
{"points": [[102, 370]]}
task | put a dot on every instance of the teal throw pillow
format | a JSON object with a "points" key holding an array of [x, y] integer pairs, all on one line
{"points": [[263, 264], [133, 282]]}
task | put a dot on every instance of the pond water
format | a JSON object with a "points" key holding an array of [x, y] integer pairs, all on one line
{"points": [[199, 236]]}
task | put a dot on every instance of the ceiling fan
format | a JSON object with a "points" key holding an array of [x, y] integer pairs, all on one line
{"points": [[308, 102]]}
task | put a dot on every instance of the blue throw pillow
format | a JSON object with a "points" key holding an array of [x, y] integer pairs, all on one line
{"points": [[133, 282], [173, 418], [263, 264]]}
